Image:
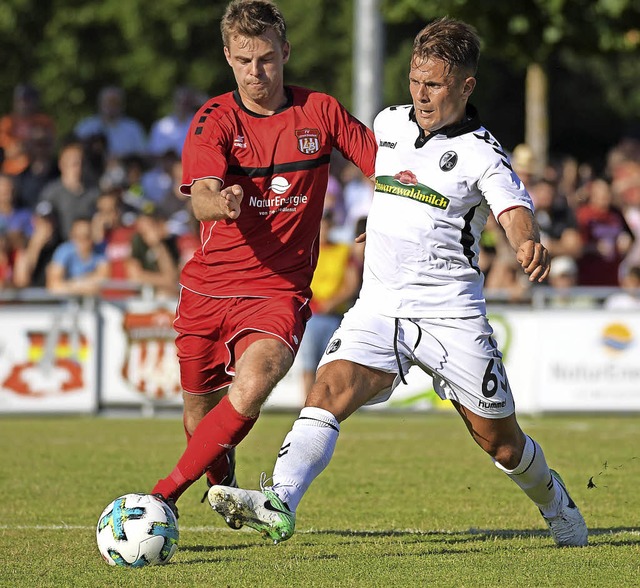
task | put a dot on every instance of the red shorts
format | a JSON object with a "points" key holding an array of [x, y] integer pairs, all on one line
{"points": [[212, 332]]}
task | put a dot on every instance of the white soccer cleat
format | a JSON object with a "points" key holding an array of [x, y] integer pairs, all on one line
{"points": [[568, 528], [260, 510]]}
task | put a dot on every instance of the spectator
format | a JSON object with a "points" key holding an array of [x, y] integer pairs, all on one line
{"points": [[133, 169], [112, 233], [42, 167], [334, 200], [502, 272], [606, 237], [158, 182], [629, 297], [76, 267], [169, 132], [125, 135], [95, 162], [6, 263], [523, 162], [154, 256], [558, 225], [563, 277], [31, 263], [624, 167], [335, 285], [16, 126], [15, 223], [68, 194], [357, 194], [177, 209], [15, 229]]}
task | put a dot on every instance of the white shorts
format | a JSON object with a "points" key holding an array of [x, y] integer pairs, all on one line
{"points": [[460, 354]]}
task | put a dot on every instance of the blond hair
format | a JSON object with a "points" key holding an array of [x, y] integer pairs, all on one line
{"points": [[252, 18]]}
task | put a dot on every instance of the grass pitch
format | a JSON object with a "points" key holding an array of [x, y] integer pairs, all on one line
{"points": [[408, 500]]}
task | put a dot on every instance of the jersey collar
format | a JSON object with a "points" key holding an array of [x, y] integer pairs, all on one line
{"points": [[287, 104], [470, 122]]}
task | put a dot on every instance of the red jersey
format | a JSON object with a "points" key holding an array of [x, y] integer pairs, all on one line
{"points": [[282, 163]]}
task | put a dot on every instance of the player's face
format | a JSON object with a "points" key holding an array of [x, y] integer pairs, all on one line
{"points": [[258, 66], [439, 96]]}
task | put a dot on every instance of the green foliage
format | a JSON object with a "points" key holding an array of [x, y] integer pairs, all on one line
{"points": [[408, 500], [71, 48]]}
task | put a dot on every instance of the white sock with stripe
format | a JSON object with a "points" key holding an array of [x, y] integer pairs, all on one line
{"points": [[533, 476], [305, 453]]}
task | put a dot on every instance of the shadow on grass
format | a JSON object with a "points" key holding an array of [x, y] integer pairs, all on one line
{"points": [[483, 534], [223, 553]]}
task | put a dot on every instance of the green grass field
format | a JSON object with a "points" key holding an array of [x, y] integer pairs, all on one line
{"points": [[409, 500]]}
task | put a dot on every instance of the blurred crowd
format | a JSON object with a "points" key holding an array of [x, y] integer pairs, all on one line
{"points": [[99, 212], [589, 222]]}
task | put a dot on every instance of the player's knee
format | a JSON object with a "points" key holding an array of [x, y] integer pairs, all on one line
{"points": [[506, 454], [336, 400]]}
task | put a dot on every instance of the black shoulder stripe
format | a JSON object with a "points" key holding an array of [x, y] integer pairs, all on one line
{"points": [[265, 172], [203, 119]]}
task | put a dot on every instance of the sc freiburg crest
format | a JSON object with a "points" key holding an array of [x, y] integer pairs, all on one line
{"points": [[308, 141], [448, 161]]}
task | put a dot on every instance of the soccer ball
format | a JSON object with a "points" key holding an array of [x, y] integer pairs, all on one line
{"points": [[136, 530]]}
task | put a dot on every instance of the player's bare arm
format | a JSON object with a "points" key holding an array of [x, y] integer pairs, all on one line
{"points": [[212, 202], [523, 234]]}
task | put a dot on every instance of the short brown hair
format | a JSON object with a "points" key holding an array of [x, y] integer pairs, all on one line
{"points": [[252, 18], [451, 41]]}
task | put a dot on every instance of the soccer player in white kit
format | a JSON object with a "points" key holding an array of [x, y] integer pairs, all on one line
{"points": [[439, 174]]}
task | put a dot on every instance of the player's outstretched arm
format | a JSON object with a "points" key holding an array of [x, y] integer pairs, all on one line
{"points": [[523, 233], [210, 202]]}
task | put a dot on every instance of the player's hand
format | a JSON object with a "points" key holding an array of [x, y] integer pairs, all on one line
{"points": [[232, 197], [361, 238], [535, 260]]}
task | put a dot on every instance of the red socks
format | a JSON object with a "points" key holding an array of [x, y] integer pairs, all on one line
{"points": [[222, 428]]}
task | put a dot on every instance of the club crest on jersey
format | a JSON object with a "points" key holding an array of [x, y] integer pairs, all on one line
{"points": [[308, 141], [333, 346], [448, 161]]}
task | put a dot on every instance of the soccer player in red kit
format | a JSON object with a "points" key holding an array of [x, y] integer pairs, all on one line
{"points": [[256, 164]]}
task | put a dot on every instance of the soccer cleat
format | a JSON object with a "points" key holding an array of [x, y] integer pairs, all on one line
{"points": [[262, 510], [170, 502], [568, 528], [230, 478]]}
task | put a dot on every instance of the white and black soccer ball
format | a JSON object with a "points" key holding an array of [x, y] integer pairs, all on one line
{"points": [[137, 530]]}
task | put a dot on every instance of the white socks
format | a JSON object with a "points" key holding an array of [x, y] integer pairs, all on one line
{"points": [[305, 452], [533, 476]]}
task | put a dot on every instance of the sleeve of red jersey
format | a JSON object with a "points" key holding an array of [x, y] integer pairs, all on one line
{"points": [[353, 139], [204, 154]]}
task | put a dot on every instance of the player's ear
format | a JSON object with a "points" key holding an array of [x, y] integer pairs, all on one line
{"points": [[469, 86], [227, 54], [286, 51]]}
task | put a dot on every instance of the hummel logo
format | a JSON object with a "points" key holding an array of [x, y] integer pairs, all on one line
{"points": [[388, 144], [272, 508]]}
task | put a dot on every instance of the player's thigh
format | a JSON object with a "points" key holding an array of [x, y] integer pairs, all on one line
{"points": [[260, 367], [343, 386], [466, 365]]}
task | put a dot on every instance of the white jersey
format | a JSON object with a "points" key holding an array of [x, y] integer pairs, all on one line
{"points": [[432, 197]]}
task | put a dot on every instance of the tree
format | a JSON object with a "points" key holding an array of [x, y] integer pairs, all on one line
{"points": [[529, 33]]}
